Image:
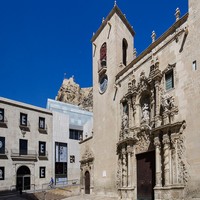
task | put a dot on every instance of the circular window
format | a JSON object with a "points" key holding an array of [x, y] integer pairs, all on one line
{"points": [[103, 83]]}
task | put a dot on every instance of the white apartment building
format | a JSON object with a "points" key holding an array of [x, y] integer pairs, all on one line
{"points": [[25, 146]]}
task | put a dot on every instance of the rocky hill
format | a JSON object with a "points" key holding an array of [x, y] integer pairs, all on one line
{"points": [[71, 92]]}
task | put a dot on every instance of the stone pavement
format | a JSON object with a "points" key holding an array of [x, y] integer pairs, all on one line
{"points": [[90, 197]]}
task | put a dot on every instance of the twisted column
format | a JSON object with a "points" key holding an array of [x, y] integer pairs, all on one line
{"points": [[158, 162], [124, 168], [174, 138], [129, 114], [166, 143], [129, 151]]}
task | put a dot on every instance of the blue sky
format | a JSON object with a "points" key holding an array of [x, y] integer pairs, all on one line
{"points": [[40, 40]]}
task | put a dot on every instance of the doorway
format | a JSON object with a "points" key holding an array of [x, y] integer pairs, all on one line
{"points": [[145, 176], [23, 181], [87, 182]]}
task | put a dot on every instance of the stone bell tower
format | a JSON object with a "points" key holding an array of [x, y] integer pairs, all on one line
{"points": [[112, 52]]}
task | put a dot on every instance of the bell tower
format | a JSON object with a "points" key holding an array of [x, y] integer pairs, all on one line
{"points": [[112, 51]]}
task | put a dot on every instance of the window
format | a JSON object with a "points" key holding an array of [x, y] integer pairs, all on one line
{"points": [[42, 172], [124, 51], [194, 65], [61, 160], [41, 123], [103, 56], [23, 119], [72, 159], [23, 147], [169, 80], [2, 176], [75, 134], [2, 145], [1, 115], [42, 148], [61, 169]]}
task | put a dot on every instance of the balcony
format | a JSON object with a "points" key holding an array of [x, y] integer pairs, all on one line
{"points": [[43, 156], [43, 130], [4, 122], [24, 127], [4, 154], [29, 155]]}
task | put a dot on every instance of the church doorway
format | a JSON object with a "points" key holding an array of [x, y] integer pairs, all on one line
{"points": [[87, 182], [23, 181], [145, 176]]}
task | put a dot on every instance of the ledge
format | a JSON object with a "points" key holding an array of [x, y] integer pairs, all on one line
{"points": [[178, 186], [89, 138]]}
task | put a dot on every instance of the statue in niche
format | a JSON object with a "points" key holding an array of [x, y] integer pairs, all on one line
{"points": [[125, 117], [145, 112]]}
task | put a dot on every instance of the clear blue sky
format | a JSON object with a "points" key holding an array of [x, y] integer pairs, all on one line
{"points": [[40, 40]]}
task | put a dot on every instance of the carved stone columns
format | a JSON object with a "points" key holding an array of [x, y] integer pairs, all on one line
{"points": [[157, 98], [158, 162], [124, 168], [166, 143], [129, 152]]}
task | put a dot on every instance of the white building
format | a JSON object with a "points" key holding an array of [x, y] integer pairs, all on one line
{"points": [[25, 145], [70, 125]]}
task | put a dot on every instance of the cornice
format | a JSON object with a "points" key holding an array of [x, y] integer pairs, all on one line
{"points": [[121, 16], [171, 30]]}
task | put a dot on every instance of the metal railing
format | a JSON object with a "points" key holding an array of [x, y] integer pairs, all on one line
{"points": [[23, 153], [30, 188], [60, 184]]}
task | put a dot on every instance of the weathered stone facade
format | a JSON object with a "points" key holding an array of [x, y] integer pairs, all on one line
{"points": [[146, 111]]}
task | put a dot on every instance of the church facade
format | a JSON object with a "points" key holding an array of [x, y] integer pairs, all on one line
{"points": [[146, 112]]}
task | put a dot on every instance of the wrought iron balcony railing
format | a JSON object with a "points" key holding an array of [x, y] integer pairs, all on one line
{"points": [[23, 154]]}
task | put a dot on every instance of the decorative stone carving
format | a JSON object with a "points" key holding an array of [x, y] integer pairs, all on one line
{"points": [[166, 143], [158, 162], [167, 102], [124, 121], [119, 173], [124, 168], [144, 141], [87, 155], [145, 113], [143, 84]]}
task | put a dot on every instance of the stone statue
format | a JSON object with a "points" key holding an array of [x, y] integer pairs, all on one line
{"points": [[124, 120], [167, 102], [145, 112]]}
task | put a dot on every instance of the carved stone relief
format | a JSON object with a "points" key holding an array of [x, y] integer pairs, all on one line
{"points": [[87, 155]]}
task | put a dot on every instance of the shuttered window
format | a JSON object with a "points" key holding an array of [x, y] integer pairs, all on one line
{"points": [[169, 80]]}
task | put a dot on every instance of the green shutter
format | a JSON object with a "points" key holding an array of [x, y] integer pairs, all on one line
{"points": [[169, 80]]}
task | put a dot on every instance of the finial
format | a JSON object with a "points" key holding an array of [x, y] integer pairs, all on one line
{"points": [[125, 15], [177, 14], [115, 3], [103, 19], [153, 36], [134, 53]]}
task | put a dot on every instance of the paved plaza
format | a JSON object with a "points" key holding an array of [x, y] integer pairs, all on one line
{"points": [[52, 197]]}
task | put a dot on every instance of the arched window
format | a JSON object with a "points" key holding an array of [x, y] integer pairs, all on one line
{"points": [[124, 51], [103, 54]]}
